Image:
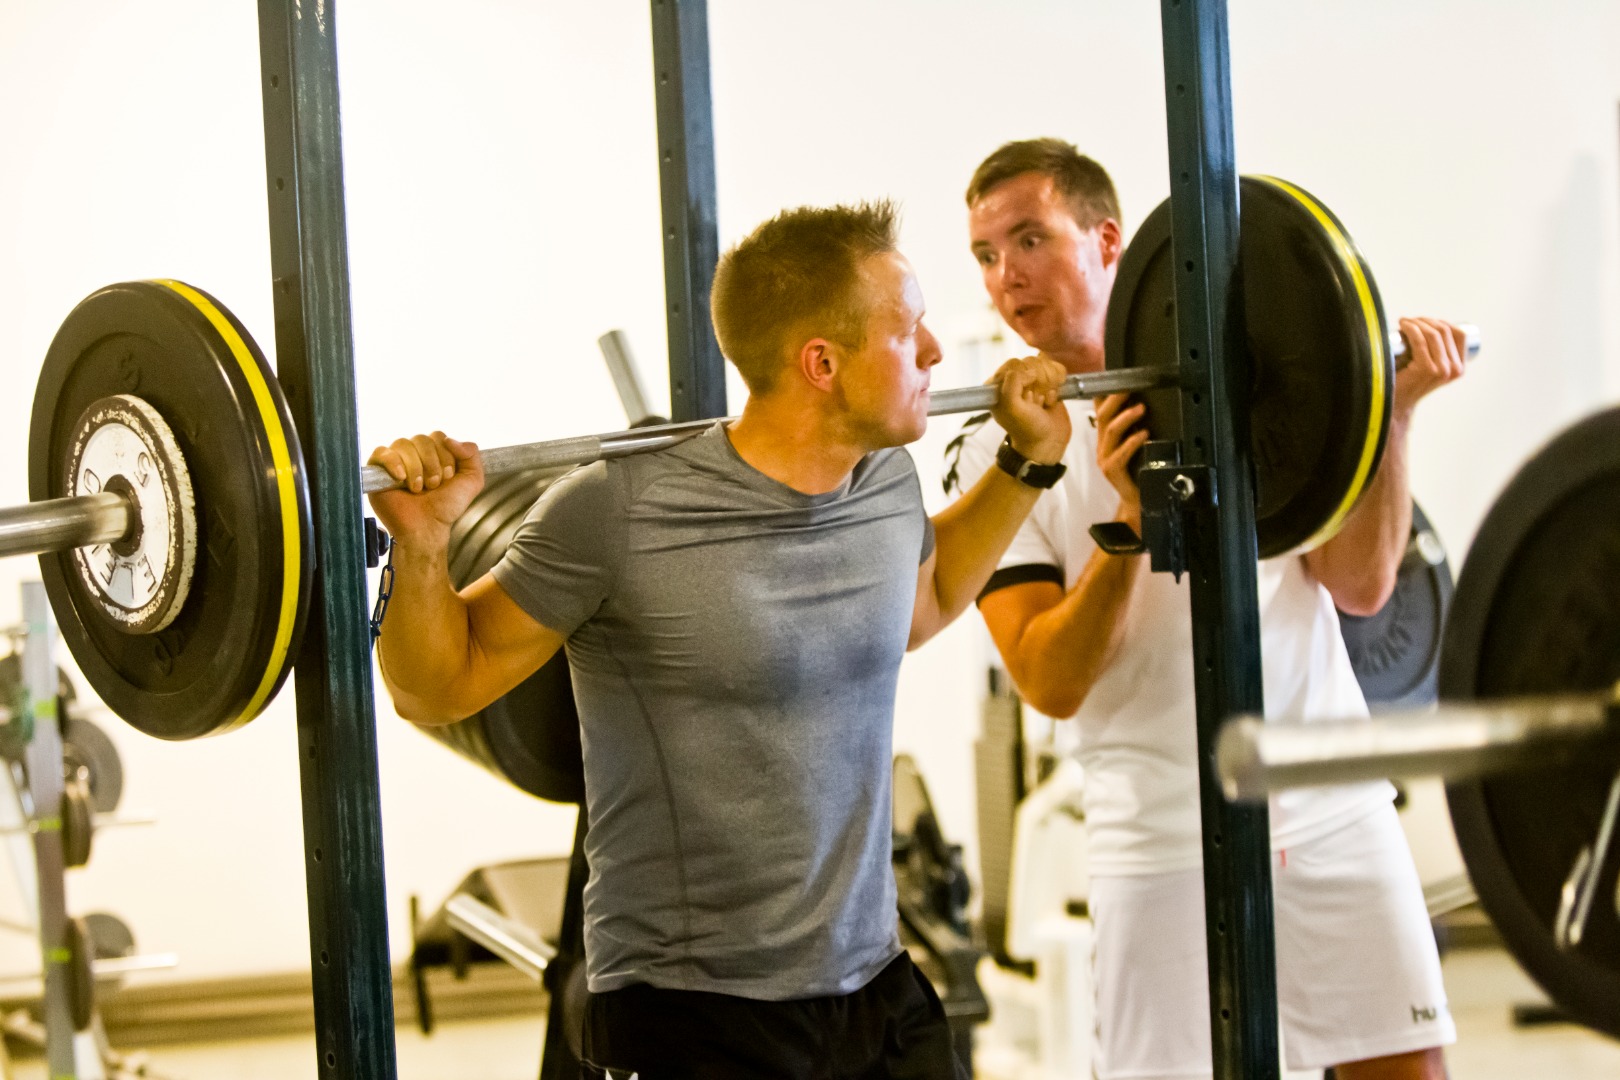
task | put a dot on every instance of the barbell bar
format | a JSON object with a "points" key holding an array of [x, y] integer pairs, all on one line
{"points": [[59, 524], [107, 517], [1454, 741], [582, 450]]}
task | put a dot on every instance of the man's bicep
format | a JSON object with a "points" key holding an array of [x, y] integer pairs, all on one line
{"points": [[1009, 609], [508, 644]]}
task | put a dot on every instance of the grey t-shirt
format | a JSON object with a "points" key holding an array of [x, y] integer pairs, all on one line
{"points": [[735, 646]]}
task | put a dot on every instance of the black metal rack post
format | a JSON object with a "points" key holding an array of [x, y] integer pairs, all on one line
{"points": [[1221, 545], [337, 740], [697, 377]]}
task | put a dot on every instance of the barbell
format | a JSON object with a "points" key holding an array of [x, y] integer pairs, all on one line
{"points": [[172, 513], [171, 508], [1528, 730]]}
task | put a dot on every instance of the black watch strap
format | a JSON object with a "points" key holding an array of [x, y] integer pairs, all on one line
{"points": [[1025, 471]]}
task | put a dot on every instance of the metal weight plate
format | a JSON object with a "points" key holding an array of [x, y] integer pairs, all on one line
{"points": [[1321, 372], [530, 737], [121, 444], [88, 754], [78, 824], [1396, 652], [1536, 611], [110, 939], [232, 642], [81, 973]]}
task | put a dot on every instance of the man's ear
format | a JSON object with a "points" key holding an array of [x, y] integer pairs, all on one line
{"points": [[1111, 241], [818, 362]]}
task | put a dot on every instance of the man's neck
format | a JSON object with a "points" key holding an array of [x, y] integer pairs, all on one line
{"points": [[793, 446]]}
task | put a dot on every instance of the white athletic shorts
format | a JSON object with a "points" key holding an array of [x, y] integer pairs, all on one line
{"points": [[1358, 974]]}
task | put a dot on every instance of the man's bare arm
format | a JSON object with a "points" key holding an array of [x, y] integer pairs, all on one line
{"points": [[1056, 644], [971, 534], [445, 654], [1360, 564]]}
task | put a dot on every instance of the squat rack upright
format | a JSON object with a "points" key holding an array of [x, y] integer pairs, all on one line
{"points": [[1220, 543], [343, 864], [314, 349]]}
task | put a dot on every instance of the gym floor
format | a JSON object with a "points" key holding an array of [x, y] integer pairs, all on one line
{"points": [[1484, 985]]}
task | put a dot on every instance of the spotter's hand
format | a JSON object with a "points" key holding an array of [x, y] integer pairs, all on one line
{"points": [[1118, 440]]}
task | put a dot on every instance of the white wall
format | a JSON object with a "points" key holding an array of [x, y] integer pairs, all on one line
{"points": [[503, 212]]}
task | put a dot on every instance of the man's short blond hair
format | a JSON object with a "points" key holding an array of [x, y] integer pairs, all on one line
{"points": [[797, 276], [1083, 183]]}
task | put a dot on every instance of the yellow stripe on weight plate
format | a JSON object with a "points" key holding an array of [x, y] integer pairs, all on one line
{"points": [[286, 486], [1351, 259]]}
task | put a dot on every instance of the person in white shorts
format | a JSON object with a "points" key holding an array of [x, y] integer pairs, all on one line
{"points": [[1097, 637]]}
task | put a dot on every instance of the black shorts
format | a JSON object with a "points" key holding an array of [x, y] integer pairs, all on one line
{"points": [[893, 1027]]}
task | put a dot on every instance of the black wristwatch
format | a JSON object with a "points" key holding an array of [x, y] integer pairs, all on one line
{"points": [[1025, 471]]}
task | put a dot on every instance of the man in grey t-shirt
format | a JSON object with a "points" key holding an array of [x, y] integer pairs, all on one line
{"points": [[735, 610]]}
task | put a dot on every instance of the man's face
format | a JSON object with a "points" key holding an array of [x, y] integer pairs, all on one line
{"points": [[884, 384], [1048, 277]]}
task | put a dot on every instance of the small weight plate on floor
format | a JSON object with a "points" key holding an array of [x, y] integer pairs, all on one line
{"points": [[1396, 652], [530, 737], [1321, 375], [88, 752], [228, 649], [1536, 611]]}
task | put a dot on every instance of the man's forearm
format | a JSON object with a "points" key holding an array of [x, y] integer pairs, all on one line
{"points": [[1359, 565], [972, 534], [1063, 651], [424, 644]]}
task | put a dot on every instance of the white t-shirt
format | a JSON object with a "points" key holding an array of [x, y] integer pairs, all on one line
{"points": [[1138, 728]]}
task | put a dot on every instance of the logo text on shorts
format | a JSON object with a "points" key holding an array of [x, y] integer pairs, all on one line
{"points": [[1422, 1015]]}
